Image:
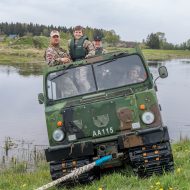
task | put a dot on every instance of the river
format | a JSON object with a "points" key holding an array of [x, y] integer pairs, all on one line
{"points": [[21, 117], [173, 95]]}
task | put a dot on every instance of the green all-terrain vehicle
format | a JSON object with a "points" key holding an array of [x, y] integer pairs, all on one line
{"points": [[105, 105]]}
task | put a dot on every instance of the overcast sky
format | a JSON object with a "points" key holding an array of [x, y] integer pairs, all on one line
{"points": [[133, 20]]}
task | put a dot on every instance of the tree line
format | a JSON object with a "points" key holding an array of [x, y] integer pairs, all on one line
{"points": [[159, 41], [22, 29], [153, 40]]}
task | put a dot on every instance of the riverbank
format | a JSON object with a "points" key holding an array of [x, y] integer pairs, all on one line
{"points": [[10, 55], [151, 54], [14, 55], [18, 179], [157, 54]]}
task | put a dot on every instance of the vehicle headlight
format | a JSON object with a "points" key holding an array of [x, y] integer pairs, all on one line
{"points": [[148, 117], [58, 135]]}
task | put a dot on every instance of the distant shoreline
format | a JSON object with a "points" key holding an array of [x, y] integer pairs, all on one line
{"points": [[10, 56]]}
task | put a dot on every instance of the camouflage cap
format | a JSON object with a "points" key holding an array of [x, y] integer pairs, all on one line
{"points": [[54, 33]]}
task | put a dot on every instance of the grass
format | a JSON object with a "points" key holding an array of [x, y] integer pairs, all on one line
{"points": [[10, 55], [30, 49], [17, 179], [157, 54], [151, 54], [25, 50]]}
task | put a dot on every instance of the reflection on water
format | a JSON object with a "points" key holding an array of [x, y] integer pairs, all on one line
{"points": [[185, 61], [173, 94], [21, 117], [156, 63], [24, 69]]}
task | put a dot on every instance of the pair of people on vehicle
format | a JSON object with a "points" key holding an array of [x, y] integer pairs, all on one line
{"points": [[79, 48]]}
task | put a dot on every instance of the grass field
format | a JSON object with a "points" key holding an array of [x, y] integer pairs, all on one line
{"points": [[124, 179], [151, 54], [25, 50], [10, 55], [31, 50], [157, 54]]}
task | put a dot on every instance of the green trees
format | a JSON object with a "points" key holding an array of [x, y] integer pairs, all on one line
{"points": [[188, 44], [31, 29], [162, 39], [111, 37], [89, 32], [153, 41], [159, 41]]}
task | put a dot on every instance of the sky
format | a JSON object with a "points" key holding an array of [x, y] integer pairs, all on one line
{"points": [[132, 20]]}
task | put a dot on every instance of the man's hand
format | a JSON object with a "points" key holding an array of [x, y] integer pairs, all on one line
{"points": [[65, 60]]}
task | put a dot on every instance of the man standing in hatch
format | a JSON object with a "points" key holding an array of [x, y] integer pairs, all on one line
{"points": [[55, 55], [98, 46]]}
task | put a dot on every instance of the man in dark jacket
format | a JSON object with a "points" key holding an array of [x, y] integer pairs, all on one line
{"points": [[98, 46]]}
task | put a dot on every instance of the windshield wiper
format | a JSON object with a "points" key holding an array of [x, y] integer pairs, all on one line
{"points": [[114, 59], [63, 73]]}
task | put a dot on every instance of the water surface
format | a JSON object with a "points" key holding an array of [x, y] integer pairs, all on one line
{"points": [[173, 95], [21, 117]]}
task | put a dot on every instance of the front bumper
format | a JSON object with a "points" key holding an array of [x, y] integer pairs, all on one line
{"points": [[124, 141]]}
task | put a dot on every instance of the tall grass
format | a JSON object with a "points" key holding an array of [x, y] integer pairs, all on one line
{"points": [[16, 154], [123, 179]]}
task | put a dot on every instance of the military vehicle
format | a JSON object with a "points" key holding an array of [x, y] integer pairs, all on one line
{"points": [[105, 105]]}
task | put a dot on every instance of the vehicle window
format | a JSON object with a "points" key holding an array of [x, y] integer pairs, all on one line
{"points": [[71, 82], [119, 72], [107, 75]]}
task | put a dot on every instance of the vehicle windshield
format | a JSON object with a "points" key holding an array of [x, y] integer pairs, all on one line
{"points": [[100, 76]]}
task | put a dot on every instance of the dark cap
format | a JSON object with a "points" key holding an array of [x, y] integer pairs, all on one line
{"points": [[97, 38]]}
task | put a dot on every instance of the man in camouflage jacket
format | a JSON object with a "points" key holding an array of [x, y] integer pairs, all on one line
{"points": [[55, 55]]}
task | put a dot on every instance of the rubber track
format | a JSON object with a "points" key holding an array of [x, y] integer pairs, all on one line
{"points": [[62, 168], [152, 159]]}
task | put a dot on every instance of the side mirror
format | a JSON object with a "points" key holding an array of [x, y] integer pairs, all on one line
{"points": [[40, 98], [163, 73]]}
